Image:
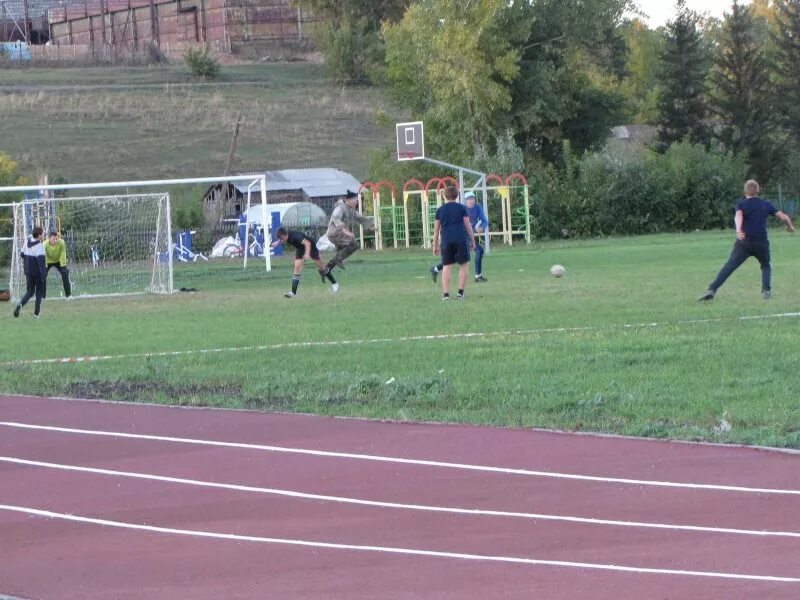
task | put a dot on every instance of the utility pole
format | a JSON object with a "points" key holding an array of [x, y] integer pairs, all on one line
{"points": [[234, 140]]}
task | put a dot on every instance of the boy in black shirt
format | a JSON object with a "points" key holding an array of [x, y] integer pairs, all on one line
{"points": [[751, 239], [454, 231], [306, 248], [35, 272]]}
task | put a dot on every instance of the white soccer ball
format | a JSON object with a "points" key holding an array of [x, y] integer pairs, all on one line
{"points": [[557, 271]]}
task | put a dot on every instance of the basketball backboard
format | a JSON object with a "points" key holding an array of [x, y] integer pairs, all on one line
{"points": [[410, 141]]}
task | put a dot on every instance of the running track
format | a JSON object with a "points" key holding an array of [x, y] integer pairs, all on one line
{"points": [[386, 528]]}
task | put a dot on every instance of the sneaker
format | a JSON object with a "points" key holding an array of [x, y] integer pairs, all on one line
{"points": [[445, 298], [16, 311], [480, 279], [434, 274], [335, 288], [766, 294], [289, 295], [35, 316], [709, 295], [459, 296]]}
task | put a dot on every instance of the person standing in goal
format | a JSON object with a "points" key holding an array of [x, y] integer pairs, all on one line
{"points": [[479, 222], [341, 230], [55, 252], [751, 218], [454, 231], [306, 249], [35, 272]]}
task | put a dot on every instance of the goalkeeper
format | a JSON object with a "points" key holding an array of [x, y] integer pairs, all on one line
{"points": [[55, 253], [341, 229]]}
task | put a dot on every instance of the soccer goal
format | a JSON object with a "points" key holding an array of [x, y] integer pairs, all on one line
{"points": [[116, 244], [118, 238]]}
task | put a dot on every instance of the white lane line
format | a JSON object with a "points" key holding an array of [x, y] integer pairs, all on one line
{"points": [[396, 505], [411, 338], [392, 550], [406, 461]]}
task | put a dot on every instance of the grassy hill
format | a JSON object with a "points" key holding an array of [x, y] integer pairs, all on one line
{"points": [[106, 123]]}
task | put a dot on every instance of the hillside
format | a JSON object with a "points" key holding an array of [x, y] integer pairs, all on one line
{"points": [[143, 123]]}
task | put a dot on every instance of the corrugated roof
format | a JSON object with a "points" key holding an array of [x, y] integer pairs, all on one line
{"points": [[315, 183]]}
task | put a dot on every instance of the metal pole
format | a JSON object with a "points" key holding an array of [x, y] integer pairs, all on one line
{"points": [[486, 236], [267, 225]]}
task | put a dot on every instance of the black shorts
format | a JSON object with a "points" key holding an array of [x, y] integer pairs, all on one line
{"points": [[301, 252], [455, 253]]}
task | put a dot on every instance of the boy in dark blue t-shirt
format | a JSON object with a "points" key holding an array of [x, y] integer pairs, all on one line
{"points": [[479, 222], [751, 218], [454, 231]]}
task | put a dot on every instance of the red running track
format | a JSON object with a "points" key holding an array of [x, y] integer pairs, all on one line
{"points": [[50, 557]]}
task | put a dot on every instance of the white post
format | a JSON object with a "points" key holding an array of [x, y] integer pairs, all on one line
{"points": [[486, 235], [266, 225], [247, 225]]}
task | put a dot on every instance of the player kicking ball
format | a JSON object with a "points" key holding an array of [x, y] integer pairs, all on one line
{"points": [[306, 249], [751, 218], [454, 231]]}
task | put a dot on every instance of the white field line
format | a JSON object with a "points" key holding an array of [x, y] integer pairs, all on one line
{"points": [[392, 550], [406, 461], [395, 505], [371, 341]]}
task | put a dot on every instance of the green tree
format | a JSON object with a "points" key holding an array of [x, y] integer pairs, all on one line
{"points": [[349, 35], [743, 92], [685, 63], [9, 175], [452, 64], [786, 38], [572, 67], [344, 12], [642, 82]]}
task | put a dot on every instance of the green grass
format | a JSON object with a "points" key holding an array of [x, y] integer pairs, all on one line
{"points": [[63, 124], [675, 380]]}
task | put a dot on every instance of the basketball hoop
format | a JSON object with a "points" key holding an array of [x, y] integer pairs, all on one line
{"points": [[410, 141]]}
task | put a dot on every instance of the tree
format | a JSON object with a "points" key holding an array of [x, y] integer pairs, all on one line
{"points": [[743, 95], [344, 12], [349, 35], [786, 38], [642, 82], [452, 63], [684, 68], [572, 68], [9, 175]]}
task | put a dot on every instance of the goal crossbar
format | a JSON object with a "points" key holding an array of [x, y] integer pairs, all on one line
{"points": [[253, 180]]}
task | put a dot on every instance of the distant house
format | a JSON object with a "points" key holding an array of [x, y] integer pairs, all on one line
{"points": [[633, 135], [323, 186]]}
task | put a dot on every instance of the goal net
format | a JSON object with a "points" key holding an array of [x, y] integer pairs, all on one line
{"points": [[115, 244]]}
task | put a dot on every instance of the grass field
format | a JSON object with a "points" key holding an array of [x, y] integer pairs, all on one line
{"points": [[676, 379], [150, 123]]}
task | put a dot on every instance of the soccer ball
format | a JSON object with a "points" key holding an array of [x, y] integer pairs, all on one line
{"points": [[557, 271]]}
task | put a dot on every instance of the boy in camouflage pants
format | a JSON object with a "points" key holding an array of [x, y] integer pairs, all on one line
{"points": [[341, 229]]}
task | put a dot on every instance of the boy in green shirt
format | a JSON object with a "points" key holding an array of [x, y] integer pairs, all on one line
{"points": [[55, 254]]}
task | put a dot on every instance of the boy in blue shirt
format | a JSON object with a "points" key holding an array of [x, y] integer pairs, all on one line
{"points": [[454, 231], [479, 223], [751, 218]]}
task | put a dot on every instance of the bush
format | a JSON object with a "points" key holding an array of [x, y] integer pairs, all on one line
{"points": [[201, 62], [633, 192]]}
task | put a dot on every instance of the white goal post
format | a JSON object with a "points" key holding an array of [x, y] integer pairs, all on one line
{"points": [[118, 241]]}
